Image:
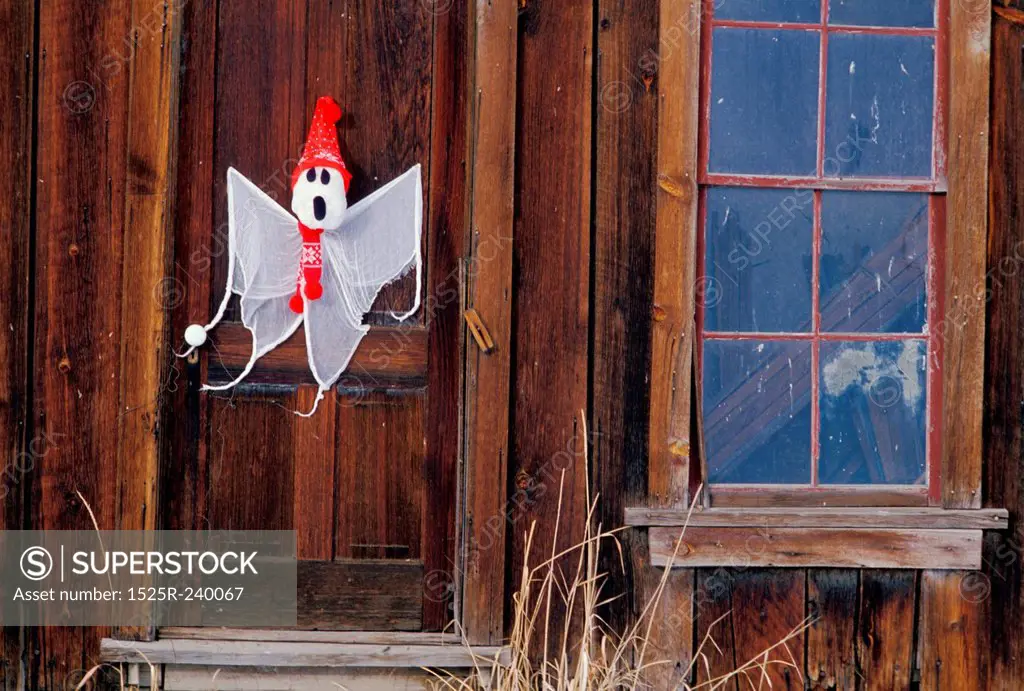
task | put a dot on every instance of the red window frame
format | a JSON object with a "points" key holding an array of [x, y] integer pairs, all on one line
{"points": [[935, 186]]}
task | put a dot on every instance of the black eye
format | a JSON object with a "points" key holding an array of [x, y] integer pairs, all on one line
{"points": [[325, 177], [311, 174]]}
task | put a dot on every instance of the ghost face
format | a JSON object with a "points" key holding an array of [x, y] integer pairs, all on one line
{"points": [[318, 198]]}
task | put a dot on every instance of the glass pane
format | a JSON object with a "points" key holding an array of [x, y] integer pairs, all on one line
{"points": [[920, 13], [874, 260], [873, 413], [757, 411], [764, 101], [758, 259], [878, 114], [770, 10]]}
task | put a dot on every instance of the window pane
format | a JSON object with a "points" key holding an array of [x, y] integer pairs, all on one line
{"points": [[874, 257], [873, 413], [770, 10], [879, 105], [758, 259], [757, 411], [919, 13], [764, 101]]}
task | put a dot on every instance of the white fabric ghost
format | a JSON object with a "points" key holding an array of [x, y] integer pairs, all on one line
{"points": [[378, 242]]}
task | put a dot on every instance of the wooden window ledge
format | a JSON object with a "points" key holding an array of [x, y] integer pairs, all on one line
{"points": [[906, 537]]}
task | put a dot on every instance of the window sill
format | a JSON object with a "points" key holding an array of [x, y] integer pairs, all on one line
{"points": [[894, 538]]}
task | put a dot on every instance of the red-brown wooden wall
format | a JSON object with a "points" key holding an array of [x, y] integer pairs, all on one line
{"points": [[89, 196]]}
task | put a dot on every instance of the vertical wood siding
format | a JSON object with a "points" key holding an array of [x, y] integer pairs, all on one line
{"points": [[561, 107]]}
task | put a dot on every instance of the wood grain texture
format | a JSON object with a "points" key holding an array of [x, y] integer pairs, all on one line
{"points": [[314, 467], [815, 517], [251, 472], [626, 132], [885, 630], [1004, 360], [19, 452], [768, 604], [152, 136], [672, 332], [82, 167], [831, 639], [198, 678], [552, 277], [489, 292], [379, 487], [361, 595], [187, 290], [388, 357], [825, 547], [280, 654], [671, 623], [386, 95], [447, 243], [145, 347], [951, 641], [212, 633], [963, 329], [715, 651], [735, 497]]}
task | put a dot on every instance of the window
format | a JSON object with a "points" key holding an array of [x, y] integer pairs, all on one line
{"points": [[820, 248]]}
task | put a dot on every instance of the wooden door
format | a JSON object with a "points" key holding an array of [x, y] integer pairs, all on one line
{"points": [[369, 483]]}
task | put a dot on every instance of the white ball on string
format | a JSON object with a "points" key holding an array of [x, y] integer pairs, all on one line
{"points": [[195, 335]]}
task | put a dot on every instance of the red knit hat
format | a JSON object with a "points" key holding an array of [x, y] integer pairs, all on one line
{"points": [[322, 148]]}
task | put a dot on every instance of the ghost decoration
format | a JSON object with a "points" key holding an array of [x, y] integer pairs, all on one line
{"points": [[323, 266]]}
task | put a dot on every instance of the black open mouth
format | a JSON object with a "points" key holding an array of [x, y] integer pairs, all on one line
{"points": [[319, 208]]}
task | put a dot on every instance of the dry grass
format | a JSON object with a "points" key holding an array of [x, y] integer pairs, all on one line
{"points": [[588, 654]]}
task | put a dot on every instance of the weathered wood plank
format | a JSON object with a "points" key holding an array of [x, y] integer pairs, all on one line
{"points": [[82, 145], [278, 654], [213, 633], [750, 497], [767, 605], [671, 623], [831, 638], [361, 595], [314, 466], [963, 330], [1004, 361], [552, 256], [380, 493], [187, 291], [885, 630], [489, 292], [251, 472], [626, 133], [678, 72], [715, 653], [952, 644], [447, 242], [277, 679], [825, 547], [387, 357], [386, 129], [145, 354], [817, 517], [19, 455]]}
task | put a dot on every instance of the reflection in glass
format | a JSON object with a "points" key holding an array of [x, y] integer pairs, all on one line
{"points": [[878, 113], [916, 13], [874, 258], [764, 101], [758, 259], [757, 411], [805, 11], [872, 407]]}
